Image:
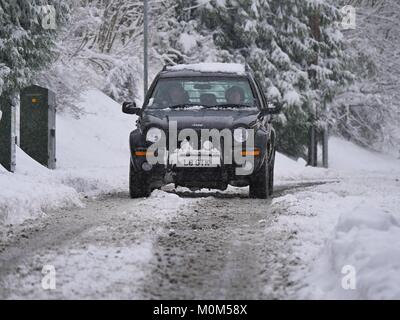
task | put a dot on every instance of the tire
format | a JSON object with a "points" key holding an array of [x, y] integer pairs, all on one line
{"points": [[271, 175], [138, 185], [259, 185]]}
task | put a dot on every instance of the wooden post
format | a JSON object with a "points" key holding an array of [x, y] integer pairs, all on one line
{"points": [[313, 140], [325, 153], [325, 138], [312, 148]]}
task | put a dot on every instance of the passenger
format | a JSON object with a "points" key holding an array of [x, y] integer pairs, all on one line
{"points": [[234, 95]]}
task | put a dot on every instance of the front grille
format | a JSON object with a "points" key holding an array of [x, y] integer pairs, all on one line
{"points": [[199, 142]]}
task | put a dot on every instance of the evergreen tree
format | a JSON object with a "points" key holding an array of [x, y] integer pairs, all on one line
{"points": [[182, 39], [275, 38], [25, 44]]}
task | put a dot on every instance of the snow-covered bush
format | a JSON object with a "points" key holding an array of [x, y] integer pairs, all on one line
{"points": [[102, 48], [368, 112]]}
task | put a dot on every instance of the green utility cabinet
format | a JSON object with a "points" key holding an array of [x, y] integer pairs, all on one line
{"points": [[38, 125], [7, 133]]}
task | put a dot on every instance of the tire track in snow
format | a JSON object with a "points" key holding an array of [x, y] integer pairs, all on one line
{"points": [[100, 251], [175, 244], [224, 247]]}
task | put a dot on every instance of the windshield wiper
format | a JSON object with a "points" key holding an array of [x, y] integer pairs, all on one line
{"points": [[184, 105]]}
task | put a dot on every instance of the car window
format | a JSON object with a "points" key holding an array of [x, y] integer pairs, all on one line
{"points": [[202, 92]]}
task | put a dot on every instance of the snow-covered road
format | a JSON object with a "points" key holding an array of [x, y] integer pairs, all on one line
{"points": [[326, 233], [200, 245]]}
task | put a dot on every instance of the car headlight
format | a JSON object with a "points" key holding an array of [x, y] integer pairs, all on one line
{"points": [[153, 134], [240, 134]]}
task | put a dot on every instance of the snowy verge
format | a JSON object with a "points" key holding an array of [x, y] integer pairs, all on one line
{"points": [[23, 197], [287, 169], [92, 159], [349, 227]]}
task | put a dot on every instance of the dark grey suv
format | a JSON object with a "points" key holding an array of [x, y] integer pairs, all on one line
{"points": [[203, 126]]}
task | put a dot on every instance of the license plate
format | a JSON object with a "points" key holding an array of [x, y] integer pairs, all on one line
{"points": [[198, 163], [195, 159]]}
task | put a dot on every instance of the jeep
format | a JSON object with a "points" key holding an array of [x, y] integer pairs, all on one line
{"points": [[203, 126]]}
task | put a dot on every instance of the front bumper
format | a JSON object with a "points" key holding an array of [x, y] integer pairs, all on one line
{"points": [[217, 174]]}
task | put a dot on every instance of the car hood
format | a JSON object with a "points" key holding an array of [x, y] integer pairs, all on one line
{"points": [[200, 118]]}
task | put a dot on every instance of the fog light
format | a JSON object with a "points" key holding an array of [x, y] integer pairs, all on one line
{"points": [[146, 166], [255, 152], [144, 153]]}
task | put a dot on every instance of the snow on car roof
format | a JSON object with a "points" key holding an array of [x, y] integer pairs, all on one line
{"points": [[210, 67]]}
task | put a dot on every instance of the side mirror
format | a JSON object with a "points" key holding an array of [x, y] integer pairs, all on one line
{"points": [[130, 108], [271, 109]]}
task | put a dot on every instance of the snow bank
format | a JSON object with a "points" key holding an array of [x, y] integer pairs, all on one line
{"points": [[211, 67], [365, 239], [92, 159], [82, 142], [347, 157], [287, 169], [23, 197], [350, 224]]}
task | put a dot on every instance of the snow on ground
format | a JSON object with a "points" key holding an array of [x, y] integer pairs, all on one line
{"points": [[24, 197], [102, 251], [119, 262], [287, 169], [92, 159], [352, 222], [349, 225]]}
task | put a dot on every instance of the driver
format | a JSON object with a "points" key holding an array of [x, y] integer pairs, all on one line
{"points": [[234, 95], [177, 95]]}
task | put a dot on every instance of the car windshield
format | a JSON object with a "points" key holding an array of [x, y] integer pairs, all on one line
{"points": [[201, 92]]}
